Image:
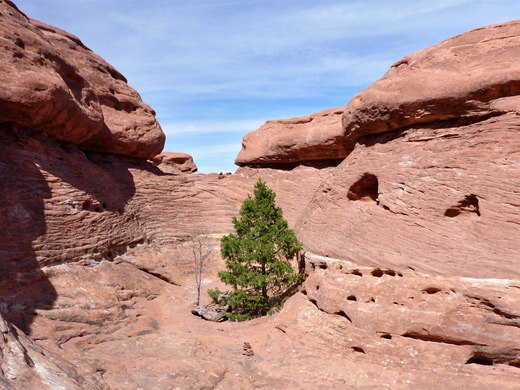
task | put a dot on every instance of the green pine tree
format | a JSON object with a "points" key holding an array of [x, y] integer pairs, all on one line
{"points": [[257, 258]]}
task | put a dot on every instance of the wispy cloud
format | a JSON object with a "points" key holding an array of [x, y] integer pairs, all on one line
{"points": [[210, 127]]}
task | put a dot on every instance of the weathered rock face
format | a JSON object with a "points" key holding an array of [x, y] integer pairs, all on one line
{"points": [[54, 84], [40, 89], [440, 198], [315, 140], [130, 127], [25, 365], [169, 162], [467, 78]]}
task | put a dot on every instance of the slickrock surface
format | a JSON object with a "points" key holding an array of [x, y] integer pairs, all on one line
{"points": [[316, 140], [169, 162], [26, 365], [420, 224]]}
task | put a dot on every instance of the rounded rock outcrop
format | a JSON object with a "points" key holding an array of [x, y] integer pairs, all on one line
{"points": [[52, 83], [315, 140]]}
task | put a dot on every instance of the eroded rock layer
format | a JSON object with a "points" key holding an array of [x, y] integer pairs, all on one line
{"points": [[469, 77]]}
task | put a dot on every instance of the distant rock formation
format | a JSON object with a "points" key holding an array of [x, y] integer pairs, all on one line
{"points": [[315, 141], [169, 162]]}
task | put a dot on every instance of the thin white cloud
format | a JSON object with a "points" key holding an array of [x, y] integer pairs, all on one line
{"points": [[210, 127]]}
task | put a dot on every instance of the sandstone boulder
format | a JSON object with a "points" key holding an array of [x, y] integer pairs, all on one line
{"points": [[466, 78], [169, 162], [40, 89], [129, 127], [54, 84], [315, 140]]}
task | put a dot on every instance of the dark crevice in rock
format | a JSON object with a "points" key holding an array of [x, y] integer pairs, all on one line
{"points": [[438, 339], [290, 165], [358, 349], [380, 272], [491, 358], [158, 275], [432, 290], [343, 314], [480, 360], [377, 273]]}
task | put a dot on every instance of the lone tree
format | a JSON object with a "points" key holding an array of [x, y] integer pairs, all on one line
{"points": [[257, 258], [200, 246]]}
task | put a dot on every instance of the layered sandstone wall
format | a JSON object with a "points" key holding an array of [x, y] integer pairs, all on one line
{"points": [[432, 183]]}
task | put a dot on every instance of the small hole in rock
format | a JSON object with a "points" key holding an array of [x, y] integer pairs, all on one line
{"points": [[372, 300], [351, 298], [367, 186], [377, 273], [317, 287], [386, 336], [358, 349], [432, 290], [323, 265], [480, 359], [357, 273]]}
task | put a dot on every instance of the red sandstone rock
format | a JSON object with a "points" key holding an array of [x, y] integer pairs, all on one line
{"points": [[439, 198], [468, 77], [52, 83], [130, 127], [40, 89], [93, 265], [315, 140], [24, 365], [176, 163]]}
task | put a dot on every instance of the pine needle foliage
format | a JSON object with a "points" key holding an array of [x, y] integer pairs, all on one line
{"points": [[257, 258]]}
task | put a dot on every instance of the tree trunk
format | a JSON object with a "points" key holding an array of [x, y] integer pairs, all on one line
{"points": [[264, 287]]}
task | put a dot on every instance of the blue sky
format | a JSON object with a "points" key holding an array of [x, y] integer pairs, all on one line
{"points": [[215, 70]]}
